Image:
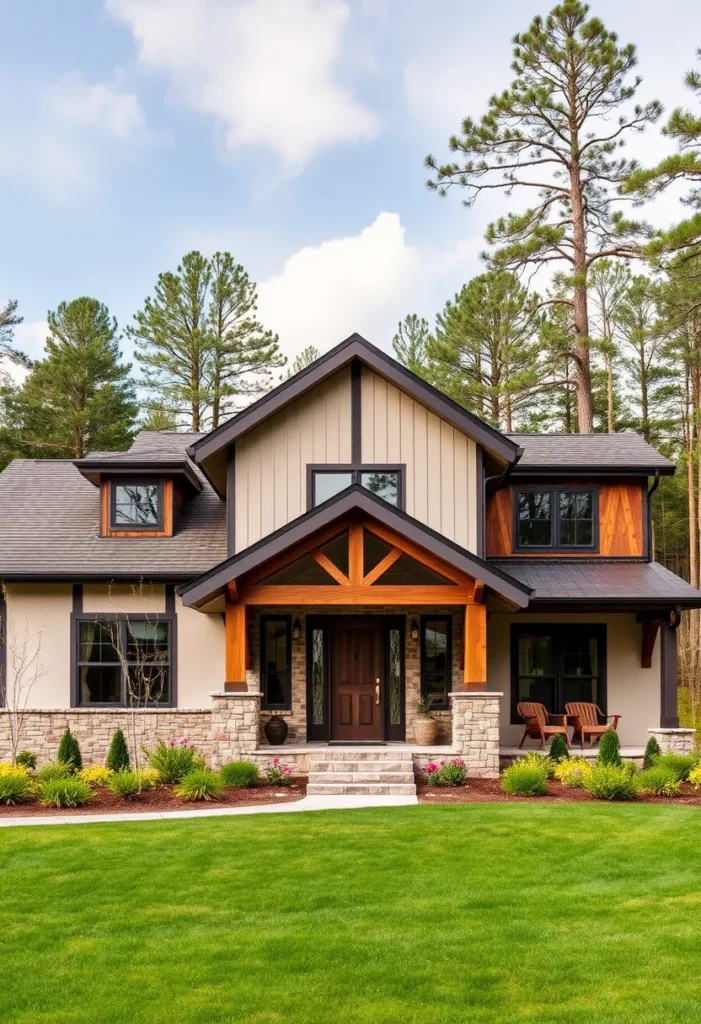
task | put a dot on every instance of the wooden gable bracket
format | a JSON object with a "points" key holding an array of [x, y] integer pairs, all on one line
{"points": [[651, 628]]}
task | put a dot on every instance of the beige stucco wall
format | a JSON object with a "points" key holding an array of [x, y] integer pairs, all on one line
{"points": [[441, 462], [201, 655], [38, 645], [633, 692], [271, 461], [124, 598]]}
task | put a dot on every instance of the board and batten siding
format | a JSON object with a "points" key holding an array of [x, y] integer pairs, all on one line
{"points": [[272, 460], [441, 462]]}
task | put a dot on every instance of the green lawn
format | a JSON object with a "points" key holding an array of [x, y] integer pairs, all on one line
{"points": [[505, 912]]}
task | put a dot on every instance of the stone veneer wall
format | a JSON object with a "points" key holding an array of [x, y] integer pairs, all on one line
{"points": [[476, 732], [681, 741], [296, 718]]}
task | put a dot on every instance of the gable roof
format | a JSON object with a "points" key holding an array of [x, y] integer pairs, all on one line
{"points": [[354, 499], [626, 452], [354, 348]]}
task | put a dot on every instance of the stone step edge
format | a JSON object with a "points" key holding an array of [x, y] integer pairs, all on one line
{"points": [[350, 788], [361, 778]]}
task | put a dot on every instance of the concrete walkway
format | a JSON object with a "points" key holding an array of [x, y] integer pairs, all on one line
{"points": [[307, 803]]}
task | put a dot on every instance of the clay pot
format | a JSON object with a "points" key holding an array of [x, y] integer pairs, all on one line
{"points": [[426, 731], [275, 730]]}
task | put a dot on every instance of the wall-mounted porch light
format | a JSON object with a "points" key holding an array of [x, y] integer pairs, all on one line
{"points": [[296, 629], [414, 630]]}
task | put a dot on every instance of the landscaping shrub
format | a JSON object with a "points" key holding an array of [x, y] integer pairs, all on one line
{"points": [[95, 775], [534, 757], [27, 759], [128, 784], [174, 760], [67, 792], [200, 784], [680, 764], [118, 754], [573, 772], [447, 773], [239, 774], [69, 752], [278, 774], [610, 782], [695, 776], [6, 768], [526, 777], [53, 770], [609, 749], [658, 781], [559, 751], [15, 786], [652, 751]]}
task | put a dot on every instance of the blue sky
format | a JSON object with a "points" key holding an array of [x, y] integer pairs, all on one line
{"points": [[291, 132]]}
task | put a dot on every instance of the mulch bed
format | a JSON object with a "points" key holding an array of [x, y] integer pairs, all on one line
{"points": [[163, 798], [485, 791]]}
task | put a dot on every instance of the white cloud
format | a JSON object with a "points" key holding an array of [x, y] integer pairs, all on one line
{"points": [[28, 338], [74, 130], [264, 69]]}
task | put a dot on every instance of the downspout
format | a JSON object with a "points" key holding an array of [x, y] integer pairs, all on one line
{"points": [[501, 479], [650, 493]]}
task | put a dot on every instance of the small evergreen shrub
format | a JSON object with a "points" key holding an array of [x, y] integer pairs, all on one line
{"points": [[278, 774], [27, 759], [69, 752], [573, 772], [559, 751], [526, 777], [239, 774], [174, 760], [128, 784], [15, 786], [610, 782], [68, 792], [200, 784], [95, 775], [680, 764], [652, 752], [447, 773], [658, 781], [118, 754], [53, 770], [609, 749]]}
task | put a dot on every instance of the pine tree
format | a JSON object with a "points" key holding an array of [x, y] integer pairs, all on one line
{"points": [[69, 752], [80, 397], [553, 130], [608, 281], [410, 343], [304, 359], [158, 417], [8, 353], [609, 749], [118, 753], [484, 353]]}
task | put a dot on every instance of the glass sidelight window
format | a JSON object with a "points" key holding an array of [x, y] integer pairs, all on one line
{"points": [[276, 662], [557, 665]]}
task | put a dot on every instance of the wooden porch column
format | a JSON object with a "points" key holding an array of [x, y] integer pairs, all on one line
{"points": [[669, 716], [475, 647], [236, 642]]}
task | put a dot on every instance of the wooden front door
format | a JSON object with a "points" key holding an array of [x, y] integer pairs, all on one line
{"points": [[356, 680]]}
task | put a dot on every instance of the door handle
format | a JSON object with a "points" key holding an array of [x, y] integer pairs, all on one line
{"points": [[377, 691]]}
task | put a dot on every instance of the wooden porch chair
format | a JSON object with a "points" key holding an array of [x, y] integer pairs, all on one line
{"points": [[540, 724], [586, 721]]}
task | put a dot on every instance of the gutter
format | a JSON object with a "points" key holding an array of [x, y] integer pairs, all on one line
{"points": [[501, 479], [649, 554]]}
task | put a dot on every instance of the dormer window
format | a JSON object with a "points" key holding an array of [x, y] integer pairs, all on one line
{"points": [[556, 518], [136, 505]]}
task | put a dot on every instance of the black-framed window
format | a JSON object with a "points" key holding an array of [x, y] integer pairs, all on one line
{"points": [[436, 659], [276, 662], [136, 504], [387, 482], [124, 662], [563, 518], [555, 665]]}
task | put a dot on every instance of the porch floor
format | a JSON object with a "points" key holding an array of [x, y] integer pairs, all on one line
{"points": [[575, 751]]}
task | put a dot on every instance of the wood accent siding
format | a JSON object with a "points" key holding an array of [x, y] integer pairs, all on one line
{"points": [[441, 462], [168, 514], [271, 461], [621, 528]]}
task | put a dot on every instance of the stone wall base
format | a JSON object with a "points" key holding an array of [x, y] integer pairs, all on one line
{"points": [[476, 732], [681, 741]]}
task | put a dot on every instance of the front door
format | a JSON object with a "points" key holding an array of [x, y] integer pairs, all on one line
{"points": [[356, 672]]}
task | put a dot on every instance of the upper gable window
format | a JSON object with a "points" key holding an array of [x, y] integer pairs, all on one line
{"points": [[555, 518], [328, 481], [137, 505]]}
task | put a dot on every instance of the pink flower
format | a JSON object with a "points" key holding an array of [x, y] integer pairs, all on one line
{"points": [[442, 763], [276, 760], [432, 767]]}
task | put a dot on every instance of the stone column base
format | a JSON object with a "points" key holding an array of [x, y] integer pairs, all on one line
{"points": [[235, 718], [476, 731], [681, 741]]}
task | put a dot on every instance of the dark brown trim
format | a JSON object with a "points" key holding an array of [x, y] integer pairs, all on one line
{"points": [[355, 348], [181, 469], [287, 619], [143, 481], [594, 469], [481, 490], [3, 647], [669, 681], [77, 598], [448, 619], [349, 467], [231, 500], [170, 599], [648, 554], [356, 412]]}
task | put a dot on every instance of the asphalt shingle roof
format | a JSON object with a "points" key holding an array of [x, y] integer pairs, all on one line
{"points": [[50, 519], [612, 581], [624, 451]]}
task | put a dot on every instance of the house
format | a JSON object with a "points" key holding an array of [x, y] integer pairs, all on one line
{"points": [[348, 543]]}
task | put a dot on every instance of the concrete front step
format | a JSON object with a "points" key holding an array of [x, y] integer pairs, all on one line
{"points": [[333, 777], [396, 765], [362, 754], [357, 788]]}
